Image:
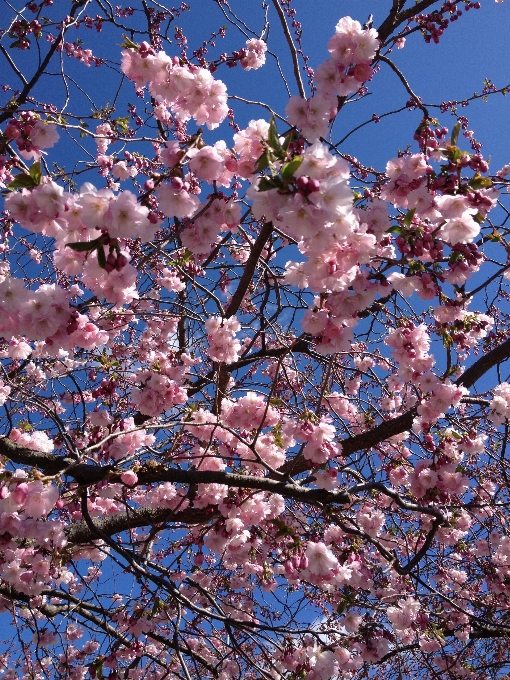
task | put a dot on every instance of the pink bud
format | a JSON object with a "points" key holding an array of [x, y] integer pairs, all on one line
{"points": [[129, 478], [121, 262], [177, 183], [231, 165]]}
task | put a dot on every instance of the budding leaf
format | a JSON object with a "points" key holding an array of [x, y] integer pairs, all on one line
{"points": [[267, 183], [480, 182], [273, 140], [83, 246], [455, 134], [290, 168], [122, 124], [128, 43], [263, 162], [289, 137], [22, 181], [409, 217], [36, 173], [101, 257]]}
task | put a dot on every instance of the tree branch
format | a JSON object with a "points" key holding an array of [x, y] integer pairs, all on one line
{"points": [[292, 48], [249, 269]]}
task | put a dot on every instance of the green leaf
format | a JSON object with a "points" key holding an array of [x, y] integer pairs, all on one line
{"points": [[455, 134], [409, 217], [122, 124], [101, 257], [22, 181], [129, 43], [272, 138], [480, 182], [394, 230], [83, 246], [263, 162], [290, 168], [98, 667], [342, 607], [36, 173], [267, 183], [288, 138]]}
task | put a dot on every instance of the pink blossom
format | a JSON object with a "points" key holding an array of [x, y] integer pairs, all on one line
{"points": [[129, 478], [321, 560], [254, 54]]}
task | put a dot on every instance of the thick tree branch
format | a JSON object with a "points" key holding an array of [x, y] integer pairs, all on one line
{"points": [[397, 17], [80, 532], [249, 269], [484, 364]]}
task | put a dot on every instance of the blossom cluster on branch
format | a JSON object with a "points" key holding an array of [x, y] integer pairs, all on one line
{"points": [[254, 393]]}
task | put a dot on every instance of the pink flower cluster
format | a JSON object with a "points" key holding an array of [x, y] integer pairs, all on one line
{"points": [[117, 285], [83, 218], [410, 345], [200, 236], [120, 215], [223, 345], [24, 507], [442, 475], [188, 91], [158, 393], [170, 280], [249, 146], [249, 412], [403, 616], [254, 54], [175, 200], [352, 48], [500, 404], [5, 390], [36, 440], [34, 499], [45, 314], [319, 215], [452, 213], [319, 446], [31, 134], [128, 439]]}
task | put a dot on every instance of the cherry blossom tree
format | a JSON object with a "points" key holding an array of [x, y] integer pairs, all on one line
{"points": [[255, 392]]}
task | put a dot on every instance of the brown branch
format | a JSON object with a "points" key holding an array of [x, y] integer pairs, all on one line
{"points": [[395, 17], [49, 463], [56, 45], [403, 80], [292, 48], [389, 428], [249, 269], [79, 532], [484, 364]]}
